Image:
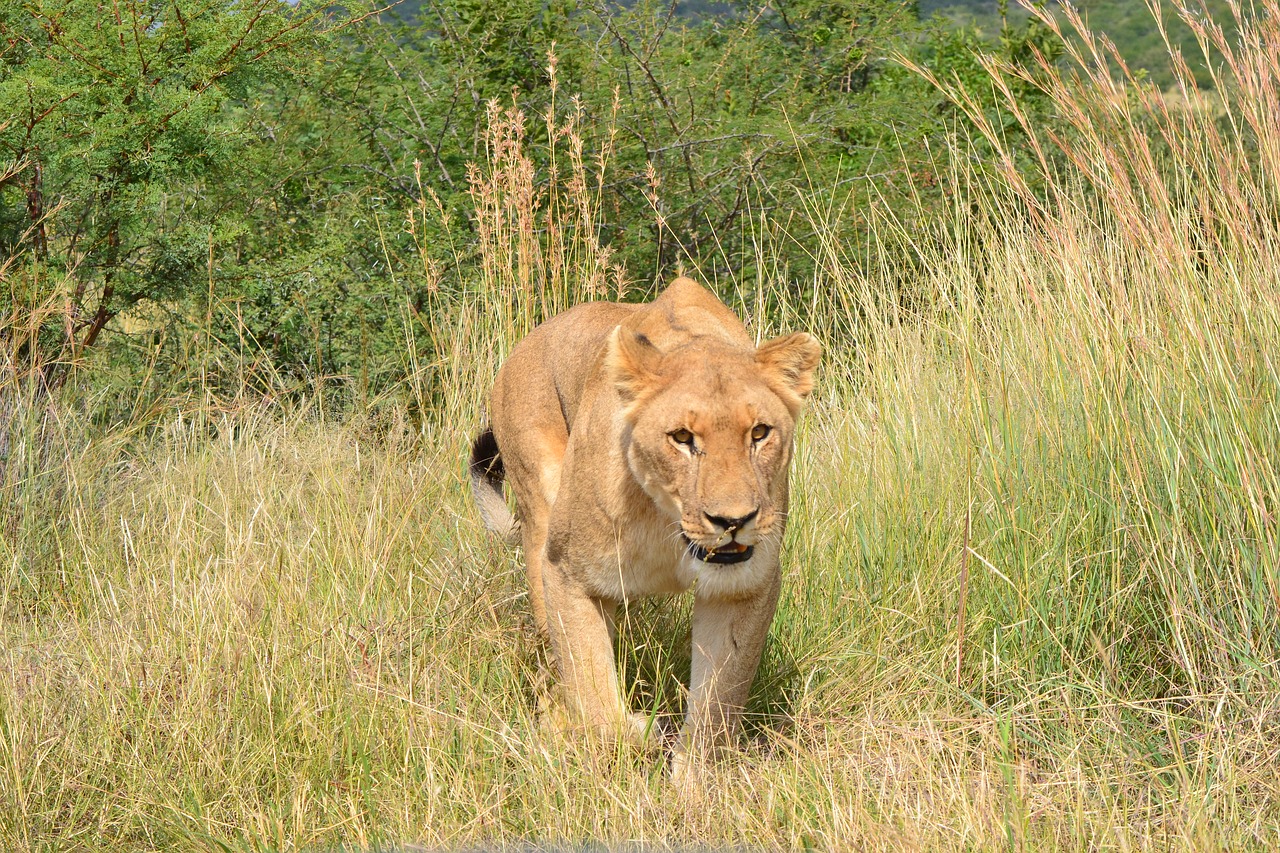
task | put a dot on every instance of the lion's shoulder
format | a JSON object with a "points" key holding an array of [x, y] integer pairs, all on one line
{"points": [[686, 311]]}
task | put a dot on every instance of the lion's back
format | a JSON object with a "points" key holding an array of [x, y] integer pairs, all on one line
{"points": [[541, 382]]}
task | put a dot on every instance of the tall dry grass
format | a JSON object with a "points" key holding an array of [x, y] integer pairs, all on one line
{"points": [[539, 251], [1030, 586]]}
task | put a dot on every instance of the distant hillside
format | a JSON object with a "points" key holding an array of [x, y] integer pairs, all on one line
{"points": [[1128, 23]]}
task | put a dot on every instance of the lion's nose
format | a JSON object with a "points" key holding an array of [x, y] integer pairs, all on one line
{"points": [[730, 524]]}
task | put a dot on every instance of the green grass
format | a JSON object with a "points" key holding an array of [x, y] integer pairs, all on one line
{"points": [[1031, 592]]}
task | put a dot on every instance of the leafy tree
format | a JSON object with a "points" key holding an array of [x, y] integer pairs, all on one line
{"points": [[130, 126], [708, 121]]}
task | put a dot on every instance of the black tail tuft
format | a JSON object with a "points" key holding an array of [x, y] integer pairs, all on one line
{"points": [[486, 461]]}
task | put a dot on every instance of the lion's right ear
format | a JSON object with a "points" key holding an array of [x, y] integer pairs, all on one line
{"points": [[632, 364]]}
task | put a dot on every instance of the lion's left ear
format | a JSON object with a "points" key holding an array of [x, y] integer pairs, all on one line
{"points": [[788, 363], [632, 364]]}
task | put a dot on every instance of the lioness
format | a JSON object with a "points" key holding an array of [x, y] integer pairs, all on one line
{"points": [[648, 446]]}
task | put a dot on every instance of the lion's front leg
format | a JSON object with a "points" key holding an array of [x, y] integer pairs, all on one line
{"points": [[580, 629], [728, 639]]}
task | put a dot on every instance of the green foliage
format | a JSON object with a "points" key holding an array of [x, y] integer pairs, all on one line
{"points": [[687, 131], [232, 183], [132, 149], [706, 122], [962, 57], [229, 186]]}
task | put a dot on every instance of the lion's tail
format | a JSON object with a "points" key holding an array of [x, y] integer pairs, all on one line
{"points": [[487, 475]]}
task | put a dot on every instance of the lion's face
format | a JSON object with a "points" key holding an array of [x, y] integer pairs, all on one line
{"points": [[711, 428]]}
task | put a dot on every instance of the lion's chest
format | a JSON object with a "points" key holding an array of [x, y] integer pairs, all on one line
{"points": [[648, 558]]}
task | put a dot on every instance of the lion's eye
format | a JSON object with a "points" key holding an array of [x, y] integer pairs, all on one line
{"points": [[682, 436], [759, 431]]}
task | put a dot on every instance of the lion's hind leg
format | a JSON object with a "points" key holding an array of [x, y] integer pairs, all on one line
{"points": [[534, 475]]}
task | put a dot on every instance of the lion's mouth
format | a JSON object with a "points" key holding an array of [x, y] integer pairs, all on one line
{"points": [[730, 552]]}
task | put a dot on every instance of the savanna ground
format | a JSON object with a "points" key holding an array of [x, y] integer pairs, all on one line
{"points": [[1031, 593]]}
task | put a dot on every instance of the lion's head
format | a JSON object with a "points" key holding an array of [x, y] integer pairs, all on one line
{"points": [[711, 424]]}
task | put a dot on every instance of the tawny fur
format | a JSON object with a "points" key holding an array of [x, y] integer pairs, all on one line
{"points": [[632, 436]]}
